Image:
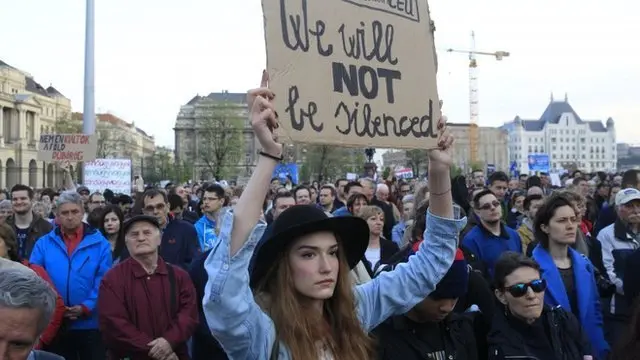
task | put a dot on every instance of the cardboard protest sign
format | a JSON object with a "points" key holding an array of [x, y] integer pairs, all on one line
{"points": [[353, 72], [67, 147]]}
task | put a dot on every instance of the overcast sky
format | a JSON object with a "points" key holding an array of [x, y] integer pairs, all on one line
{"points": [[154, 55]]}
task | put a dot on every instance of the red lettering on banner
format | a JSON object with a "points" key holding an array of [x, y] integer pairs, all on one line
{"points": [[67, 156]]}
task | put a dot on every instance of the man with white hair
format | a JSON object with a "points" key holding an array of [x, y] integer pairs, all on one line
{"points": [[27, 304]]}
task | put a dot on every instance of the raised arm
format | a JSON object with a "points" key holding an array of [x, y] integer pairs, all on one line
{"points": [[397, 291], [263, 121]]}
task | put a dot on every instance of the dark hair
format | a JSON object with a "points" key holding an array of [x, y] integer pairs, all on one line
{"points": [[498, 176], [300, 187], [122, 200], [282, 195], [331, 188], [630, 179], [337, 183], [534, 181], [577, 181], [480, 195], [175, 202], [546, 212], [515, 196], [352, 184], [531, 198], [352, 199], [151, 193], [48, 192], [10, 241], [216, 189], [21, 187], [509, 262], [95, 216], [120, 244], [95, 193]]}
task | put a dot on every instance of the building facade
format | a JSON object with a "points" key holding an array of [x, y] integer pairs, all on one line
{"points": [[492, 149], [26, 109], [119, 139], [191, 124], [568, 140]]}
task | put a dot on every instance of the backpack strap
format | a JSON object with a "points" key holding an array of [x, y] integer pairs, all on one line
{"points": [[172, 289]]}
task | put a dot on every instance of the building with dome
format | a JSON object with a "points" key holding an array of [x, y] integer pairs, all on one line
{"points": [[570, 141]]}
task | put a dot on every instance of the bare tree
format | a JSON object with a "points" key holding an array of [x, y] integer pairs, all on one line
{"points": [[417, 160], [220, 141]]}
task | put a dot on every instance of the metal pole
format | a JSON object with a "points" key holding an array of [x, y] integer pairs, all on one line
{"points": [[89, 111]]}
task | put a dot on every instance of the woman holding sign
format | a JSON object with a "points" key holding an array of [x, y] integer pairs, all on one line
{"points": [[299, 302]]}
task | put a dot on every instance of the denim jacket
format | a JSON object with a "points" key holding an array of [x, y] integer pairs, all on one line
{"points": [[246, 332]]}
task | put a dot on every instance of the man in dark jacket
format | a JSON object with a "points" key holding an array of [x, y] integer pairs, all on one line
{"points": [[431, 330], [179, 239], [28, 226]]}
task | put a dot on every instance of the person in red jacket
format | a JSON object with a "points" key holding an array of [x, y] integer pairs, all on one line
{"points": [[9, 250]]}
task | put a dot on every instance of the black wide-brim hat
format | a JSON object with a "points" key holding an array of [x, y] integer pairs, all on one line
{"points": [[351, 232]]}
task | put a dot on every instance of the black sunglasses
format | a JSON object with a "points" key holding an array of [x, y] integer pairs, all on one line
{"points": [[519, 290]]}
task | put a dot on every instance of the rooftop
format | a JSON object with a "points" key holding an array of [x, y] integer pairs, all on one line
{"points": [[552, 115]]}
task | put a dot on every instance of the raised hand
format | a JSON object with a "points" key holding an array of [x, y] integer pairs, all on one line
{"points": [[443, 154], [263, 117]]}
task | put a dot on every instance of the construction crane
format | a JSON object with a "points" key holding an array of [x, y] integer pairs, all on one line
{"points": [[473, 91]]}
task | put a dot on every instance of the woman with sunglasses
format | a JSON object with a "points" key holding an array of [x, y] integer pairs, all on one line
{"points": [[570, 275], [527, 328]]}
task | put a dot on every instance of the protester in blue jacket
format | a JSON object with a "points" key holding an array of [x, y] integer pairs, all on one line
{"points": [[569, 275], [76, 257]]}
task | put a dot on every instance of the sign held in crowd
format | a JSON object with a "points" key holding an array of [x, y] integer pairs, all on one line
{"points": [[113, 174], [353, 72], [67, 147]]}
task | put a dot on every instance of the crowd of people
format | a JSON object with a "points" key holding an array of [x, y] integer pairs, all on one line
{"points": [[479, 267]]}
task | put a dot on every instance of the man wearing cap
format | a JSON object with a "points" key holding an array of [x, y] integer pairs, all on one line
{"points": [[431, 330], [147, 306], [619, 240]]}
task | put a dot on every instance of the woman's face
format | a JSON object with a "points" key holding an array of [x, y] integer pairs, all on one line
{"points": [[376, 222], [519, 296], [357, 205], [314, 264], [111, 223], [4, 250], [407, 210], [40, 210], [4, 214], [562, 226], [518, 203]]}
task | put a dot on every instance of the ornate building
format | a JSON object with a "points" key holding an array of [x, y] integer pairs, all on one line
{"points": [[191, 123], [118, 138], [568, 140], [26, 108]]}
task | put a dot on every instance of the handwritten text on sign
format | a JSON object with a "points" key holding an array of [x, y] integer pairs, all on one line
{"points": [[67, 147], [353, 72], [113, 174]]}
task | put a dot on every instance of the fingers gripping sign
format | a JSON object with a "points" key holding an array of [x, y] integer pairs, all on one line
{"points": [[263, 117]]}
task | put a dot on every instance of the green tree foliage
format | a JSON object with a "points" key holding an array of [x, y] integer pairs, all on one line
{"points": [[328, 163], [220, 140], [386, 172]]}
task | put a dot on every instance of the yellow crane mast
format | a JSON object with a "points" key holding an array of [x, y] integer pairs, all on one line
{"points": [[473, 92]]}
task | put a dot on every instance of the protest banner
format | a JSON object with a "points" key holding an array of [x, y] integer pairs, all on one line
{"points": [[67, 147], [353, 72], [113, 174]]}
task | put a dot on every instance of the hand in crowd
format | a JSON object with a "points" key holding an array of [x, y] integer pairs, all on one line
{"points": [[442, 155], [264, 119], [73, 312], [160, 349]]}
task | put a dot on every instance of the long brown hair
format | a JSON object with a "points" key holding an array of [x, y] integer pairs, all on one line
{"points": [[339, 329]]}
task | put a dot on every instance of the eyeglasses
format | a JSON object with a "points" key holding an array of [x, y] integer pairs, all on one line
{"points": [[489, 206], [151, 208], [520, 290]]}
